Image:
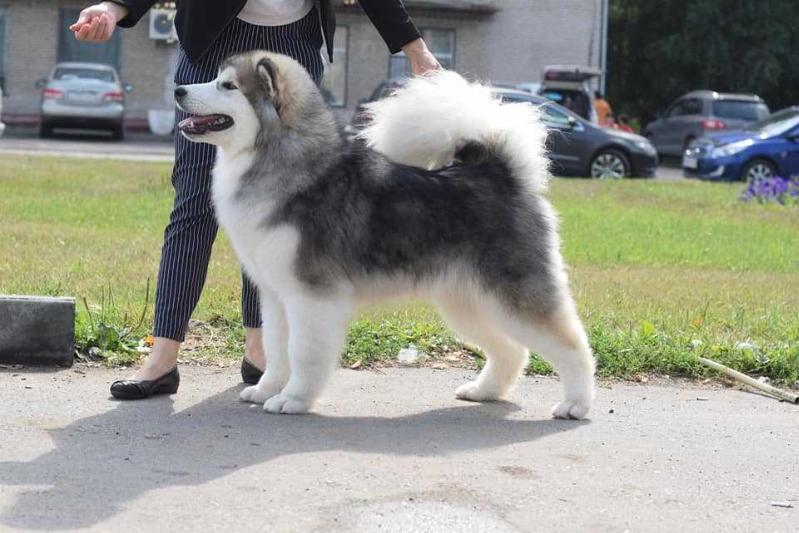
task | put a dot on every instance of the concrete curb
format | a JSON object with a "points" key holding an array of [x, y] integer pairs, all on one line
{"points": [[37, 330]]}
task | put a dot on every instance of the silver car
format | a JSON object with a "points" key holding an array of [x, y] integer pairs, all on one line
{"points": [[699, 112], [83, 96]]}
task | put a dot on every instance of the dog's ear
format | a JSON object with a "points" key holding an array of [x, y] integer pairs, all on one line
{"points": [[267, 73]]}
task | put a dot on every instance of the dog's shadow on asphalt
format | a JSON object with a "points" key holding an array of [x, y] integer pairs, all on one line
{"points": [[101, 462]]}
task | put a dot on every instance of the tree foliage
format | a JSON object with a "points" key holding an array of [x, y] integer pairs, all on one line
{"points": [[659, 50]]}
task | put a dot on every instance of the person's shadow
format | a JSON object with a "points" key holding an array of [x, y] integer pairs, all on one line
{"points": [[101, 462]]}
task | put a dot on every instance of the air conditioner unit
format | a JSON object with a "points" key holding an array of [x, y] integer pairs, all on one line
{"points": [[162, 25]]}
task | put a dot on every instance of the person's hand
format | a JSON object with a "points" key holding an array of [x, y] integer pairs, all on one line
{"points": [[96, 23], [421, 58]]}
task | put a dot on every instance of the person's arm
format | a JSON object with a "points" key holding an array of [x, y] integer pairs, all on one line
{"points": [[136, 9], [97, 23], [399, 32]]}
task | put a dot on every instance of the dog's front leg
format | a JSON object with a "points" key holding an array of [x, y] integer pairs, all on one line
{"points": [[275, 342], [317, 331]]}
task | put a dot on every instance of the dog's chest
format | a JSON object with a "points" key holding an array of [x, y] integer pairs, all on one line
{"points": [[266, 252]]}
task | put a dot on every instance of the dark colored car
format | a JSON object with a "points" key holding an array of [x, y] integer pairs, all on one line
{"points": [[576, 146], [700, 112], [767, 148], [579, 148]]}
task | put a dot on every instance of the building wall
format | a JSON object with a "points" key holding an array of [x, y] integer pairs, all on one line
{"points": [[525, 35], [30, 49], [368, 57], [510, 45]]}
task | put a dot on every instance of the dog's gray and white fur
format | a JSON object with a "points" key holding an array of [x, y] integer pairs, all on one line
{"points": [[442, 199]]}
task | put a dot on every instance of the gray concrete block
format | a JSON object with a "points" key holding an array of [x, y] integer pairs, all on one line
{"points": [[36, 330]]}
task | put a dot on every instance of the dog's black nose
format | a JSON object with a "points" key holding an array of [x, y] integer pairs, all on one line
{"points": [[180, 92]]}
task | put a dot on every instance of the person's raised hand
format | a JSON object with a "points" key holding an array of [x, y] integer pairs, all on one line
{"points": [[96, 23], [420, 57]]}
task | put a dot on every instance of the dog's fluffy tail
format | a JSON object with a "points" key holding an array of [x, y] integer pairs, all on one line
{"points": [[430, 119]]}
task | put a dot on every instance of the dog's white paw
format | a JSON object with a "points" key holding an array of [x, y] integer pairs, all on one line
{"points": [[472, 392], [286, 405], [574, 409], [256, 394]]}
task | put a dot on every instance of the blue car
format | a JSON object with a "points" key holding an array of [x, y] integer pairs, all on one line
{"points": [[767, 148]]}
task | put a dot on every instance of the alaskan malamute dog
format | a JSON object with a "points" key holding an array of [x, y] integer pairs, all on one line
{"points": [[442, 198]]}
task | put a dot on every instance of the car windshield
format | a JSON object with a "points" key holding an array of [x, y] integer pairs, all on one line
{"points": [[82, 73], [776, 124], [740, 109], [552, 117]]}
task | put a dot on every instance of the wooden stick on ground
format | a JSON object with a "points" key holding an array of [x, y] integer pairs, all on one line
{"points": [[743, 378]]}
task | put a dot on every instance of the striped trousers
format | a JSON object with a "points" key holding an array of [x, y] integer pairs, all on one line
{"points": [[192, 227]]}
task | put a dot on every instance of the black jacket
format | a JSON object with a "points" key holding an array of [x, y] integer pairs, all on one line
{"points": [[199, 22]]}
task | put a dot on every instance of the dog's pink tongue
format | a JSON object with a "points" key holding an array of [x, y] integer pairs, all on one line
{"points": [[195, 122]]}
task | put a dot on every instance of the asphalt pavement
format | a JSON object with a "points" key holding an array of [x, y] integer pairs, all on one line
{"points": [[135, 147], [145, 147], [391, 451]]}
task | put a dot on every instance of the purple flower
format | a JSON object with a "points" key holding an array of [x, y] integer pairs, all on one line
{"points": [[774, 189]]}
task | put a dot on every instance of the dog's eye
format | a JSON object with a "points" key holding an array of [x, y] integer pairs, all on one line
{"points": [[229, 85]]}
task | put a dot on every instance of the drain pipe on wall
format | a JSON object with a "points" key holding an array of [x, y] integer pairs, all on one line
{"points": [[603, 44]]}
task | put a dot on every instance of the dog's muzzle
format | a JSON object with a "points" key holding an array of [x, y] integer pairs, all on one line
{"points": [[200, 124]]}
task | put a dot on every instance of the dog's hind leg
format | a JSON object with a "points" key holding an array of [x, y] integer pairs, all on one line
{"points": [[317, 329], [505, 359], [275, 341], [559, 337]]}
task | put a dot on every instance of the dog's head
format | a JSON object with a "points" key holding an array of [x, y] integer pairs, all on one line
{"points": [[254, 93]]}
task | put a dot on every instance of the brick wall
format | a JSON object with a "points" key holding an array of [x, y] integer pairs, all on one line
{"points": [[31, 34]]}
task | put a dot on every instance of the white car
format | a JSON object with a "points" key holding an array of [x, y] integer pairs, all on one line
{"points": [[2, 126], [83, 96]]}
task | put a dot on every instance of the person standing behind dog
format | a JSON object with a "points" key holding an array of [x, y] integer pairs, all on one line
{"points": [[209, 32]]}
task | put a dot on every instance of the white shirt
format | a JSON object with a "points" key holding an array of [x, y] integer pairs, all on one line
{"points": [[274, 12]]}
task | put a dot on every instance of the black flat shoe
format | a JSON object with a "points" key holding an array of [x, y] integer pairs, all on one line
{"points": [[249, 372], [134, 389]]}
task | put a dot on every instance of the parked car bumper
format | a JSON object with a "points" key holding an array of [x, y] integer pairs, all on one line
{"points": [[644, 165], [713, 168], [57, 114]]}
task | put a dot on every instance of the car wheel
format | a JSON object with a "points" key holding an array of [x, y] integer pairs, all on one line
{"points": [[758, 169], [610, 164], [45, 131], [118, 133]]}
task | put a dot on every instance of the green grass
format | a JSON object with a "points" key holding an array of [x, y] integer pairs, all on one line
{"points": [[661, 272]]}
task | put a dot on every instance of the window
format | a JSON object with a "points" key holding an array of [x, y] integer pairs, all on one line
{"points": [[441, 43], [740, 109], [2, 47], [72, 73], [689, 106], [556, 119], [334, 84], [70, 49]]}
